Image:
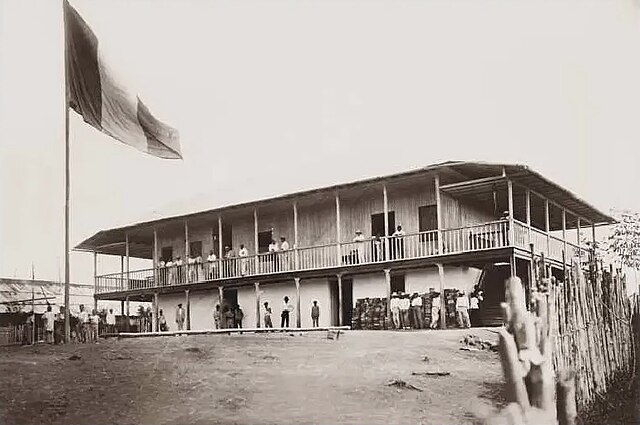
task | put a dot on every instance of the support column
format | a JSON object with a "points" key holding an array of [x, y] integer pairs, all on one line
{"points": [[220, 299], [443, 301], [255, 240], [122, 276], [387, 280], [511, 233], [128, 319], [295, 236], [338, 236], [95, 280], [188, 308], [564, 236], [547, 227], [528, 203], [122, 308], [578, 240], [512, 265], [156, 279], [439, 214], [257, 285], [385, 201], [298, 310], [126, 248], [186, 242], [156, 322], [340, 308], [220, 248]]}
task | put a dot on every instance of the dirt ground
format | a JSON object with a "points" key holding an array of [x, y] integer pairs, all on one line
{"points": [[251, 379]]}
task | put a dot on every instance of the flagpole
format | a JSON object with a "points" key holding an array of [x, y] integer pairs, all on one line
{"points": [[67, 327]]}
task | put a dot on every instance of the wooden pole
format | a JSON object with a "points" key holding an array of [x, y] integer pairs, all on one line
{"points": [[156, 322], [257, 285], [385, 201], [387, 280], [67, 195], [128, 322], [340, 307], [122, 275], [33, 317], [255, 239], [547, 226], [155, 258], [443, 301], [338, 236], [578, 242], [510, 199], [564, 236], [220, 252], [128, 260], [220, 297], [95, 280], [188, 304], [295, 235], [439, 214], [298, 310], [187, 249]]}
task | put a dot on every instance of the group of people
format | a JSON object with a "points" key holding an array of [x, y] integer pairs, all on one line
{"points": [[84, 325], [407, 309], [377, 251]]}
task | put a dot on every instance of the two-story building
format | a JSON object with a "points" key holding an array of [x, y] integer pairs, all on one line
{"points": [[463, 223]]}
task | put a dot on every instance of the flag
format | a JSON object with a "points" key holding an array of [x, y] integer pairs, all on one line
{"points": [[103, 102]]}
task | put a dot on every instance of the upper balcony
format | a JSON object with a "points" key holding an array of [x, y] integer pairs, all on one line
{"points": [[345, 256]]}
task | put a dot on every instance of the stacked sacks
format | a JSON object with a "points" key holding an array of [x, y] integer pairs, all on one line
{"points": [[370, 313]]}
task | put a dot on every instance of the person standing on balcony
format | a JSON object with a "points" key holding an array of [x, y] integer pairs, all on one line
{"points": [[436, 301], [405, 322], [376, 248], [273, 254], [315, 314], [211, 264], [179, 270], [170, 272], [230, 267], [398, 243], [243, 254], [284, 247], [180, 317], [462, 310], [191, 268], [359, 251], [286, 311], [267, 316]]}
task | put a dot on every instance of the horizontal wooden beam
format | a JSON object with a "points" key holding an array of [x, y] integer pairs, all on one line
{"points": [[225, 331]]}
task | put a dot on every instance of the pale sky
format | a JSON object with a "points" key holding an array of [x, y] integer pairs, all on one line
{"points": [[276, 96]]}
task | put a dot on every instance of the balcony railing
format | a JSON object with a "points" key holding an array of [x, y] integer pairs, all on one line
{"points": [[370, 251]]}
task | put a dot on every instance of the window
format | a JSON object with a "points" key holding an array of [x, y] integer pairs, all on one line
{"points": [[166, 254], [377, 223], [427, 218], [195, 249], [397, 283]]}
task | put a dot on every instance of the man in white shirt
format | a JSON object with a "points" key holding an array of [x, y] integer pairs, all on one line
{"points": [[435, 310], [462, 310], [398, 243], [111, 322], [286, 312], [284, 245], [211, 264], [359, 239], [394, 305], [243, 254], [180, 317], [404, 310], [49, 321], [179, 271], [191, 266], [85, 325], [416, 311], [94, 326], [284, 255]]}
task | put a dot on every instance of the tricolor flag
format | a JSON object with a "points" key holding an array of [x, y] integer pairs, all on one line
{"points": [[93, 93]]}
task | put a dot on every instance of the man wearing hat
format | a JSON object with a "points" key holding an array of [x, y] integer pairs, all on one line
{"points": [[394, 305], [180, 317], [359, 239]]}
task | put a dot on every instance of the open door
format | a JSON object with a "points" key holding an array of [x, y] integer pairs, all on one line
{"points": [[377, 223]]}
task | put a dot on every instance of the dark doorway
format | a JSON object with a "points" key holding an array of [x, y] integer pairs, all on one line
{"points": [[227, 238], [347, 301], [397, 283], [377, 223], [195, 249], [166, 254], [231, 297], [264, 239], [427, 218]]}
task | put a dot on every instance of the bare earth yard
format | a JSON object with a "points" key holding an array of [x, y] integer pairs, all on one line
{"points": [[251, 379]]}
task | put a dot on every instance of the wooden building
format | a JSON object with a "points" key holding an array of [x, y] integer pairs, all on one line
{"points": [[463, 223]]}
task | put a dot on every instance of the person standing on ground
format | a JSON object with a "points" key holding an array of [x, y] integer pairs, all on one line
{"points": [[95, 323], [111, 322], [217, 316], [474, 308], [404, 311], [238, 316], [229, 317], [394, 305], [267, 316], [59, 327], [49, 324], [85, 325], [162, 321], [435, 310], [180, 317], [286, 311], [315, 314], [462, 310], [416, 311]]}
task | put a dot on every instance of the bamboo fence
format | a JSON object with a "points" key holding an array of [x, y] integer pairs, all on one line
{"points": [[590, 323]]}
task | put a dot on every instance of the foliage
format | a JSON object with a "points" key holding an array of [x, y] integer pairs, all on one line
{"points": [[624, 241]]}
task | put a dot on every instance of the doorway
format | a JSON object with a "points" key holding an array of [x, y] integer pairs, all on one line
{"points": [[231, 298], [264, 240], [347, 301], [377, 224]]}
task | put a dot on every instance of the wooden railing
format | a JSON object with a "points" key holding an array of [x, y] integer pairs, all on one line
{"points": [[369, 251]]}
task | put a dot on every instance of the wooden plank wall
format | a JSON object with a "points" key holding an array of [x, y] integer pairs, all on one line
{"points": [[281, 222], [317, 224], [406, 203], [356, 210], [456, 213]]}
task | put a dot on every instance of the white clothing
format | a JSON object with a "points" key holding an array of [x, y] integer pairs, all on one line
{"points": [[416, 302], [398, 233], [394, 304], [111, 319], [462, 302], [287, 307], [273, 247], [178, 262], [95, 319], [436, 302], [244, 252], [284, 246], [358, 238], [212, 257], [404, 304], [475, 304], [83, 316], [191, 260], [49, 318]]}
